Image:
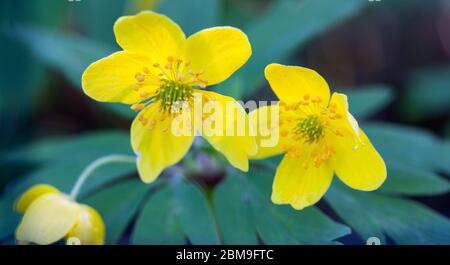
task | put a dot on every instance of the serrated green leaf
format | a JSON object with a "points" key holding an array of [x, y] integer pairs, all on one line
{"points": [[68, 53], [233, 215], [291, 23], [373, 214], [405, 145], [274, 224], [368, 100], [118, 205], [184, 208], [157, 222], [194, 214], [412, 181]]}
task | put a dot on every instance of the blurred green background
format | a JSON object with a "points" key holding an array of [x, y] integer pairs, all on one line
{"points": [[391, 57]]}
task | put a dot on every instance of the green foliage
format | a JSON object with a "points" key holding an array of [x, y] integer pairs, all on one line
{"points": [[202, 13], [118, 205], [404, 221], [177, 212], [366, 101], [427, 93], [250, 214], [60, 161], [291, 23], [68, 53]]}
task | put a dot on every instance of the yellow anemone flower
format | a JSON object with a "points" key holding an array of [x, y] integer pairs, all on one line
{"points": [[318, 136], [159, 68], [50, 216]]}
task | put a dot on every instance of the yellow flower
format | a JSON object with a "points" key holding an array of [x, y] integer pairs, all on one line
{"points": [[158, 72], [318, 136], [50, 216]]}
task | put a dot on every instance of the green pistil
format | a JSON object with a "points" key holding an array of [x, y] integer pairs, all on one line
{"points": [[172, 95], [310, 128]]}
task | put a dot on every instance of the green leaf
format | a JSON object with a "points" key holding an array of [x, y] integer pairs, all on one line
{"points": [[410, 181], [86, 12], [368, 100], [251, 207], [157, 223], [405, 146], [427, 92], [292, 24], [373, 214], [118, 205], [445, 158], [233, 215], [92, 145], [191, 15], [65, 158], [68, 53], [64, 174], [178, 211]]}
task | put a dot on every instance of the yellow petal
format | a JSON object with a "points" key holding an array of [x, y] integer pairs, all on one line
{"points": [[113, 78], [150, 34], [292, 83], [48, 219], [266, 124], [157, 144], [217, 52], [89, 227], [226, 127], [346, 124], [358, 164], [32, 194], [298, 185]]}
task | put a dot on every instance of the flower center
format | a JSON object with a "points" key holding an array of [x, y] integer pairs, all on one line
{"points": [[307, 123], [175, 81], [310, 128], [173, 95]]}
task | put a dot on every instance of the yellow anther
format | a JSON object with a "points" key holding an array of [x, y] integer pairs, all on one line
{"points": [[145, 70], [137, 107], [165, 130], [170, 59], [305, 165], [139, 77], [144, 94], [187, 63], [143, 120], [306, 97], [316, 100], [156, 65], [284, 133]]}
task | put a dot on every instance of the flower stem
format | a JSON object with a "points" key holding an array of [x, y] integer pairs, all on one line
{"points": [[94, 165]]}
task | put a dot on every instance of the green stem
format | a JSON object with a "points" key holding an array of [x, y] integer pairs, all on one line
{"points": [[94, 165]]}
